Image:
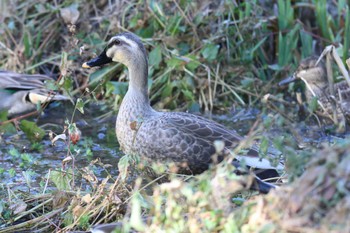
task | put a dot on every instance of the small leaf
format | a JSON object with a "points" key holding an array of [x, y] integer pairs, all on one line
{"points": [[32, 131], [104, 74], [264, 144], [110, 89], [80, 105], [275, 67], [194, 107], [123, 165], [267, 122], [14, 153], [147, 32], [66, 83], [313, 104], [51, 85], [175, 62], [193, 62], [12, 172], [120, 88], [134, 21], [247, 82], [210, 52], [26, 159], [184, 48], [238, 201], [38, 39], [188, 95], [28, 176], [27, 45], [167, 90], [61, 179], [6, 128], [155, 56]]}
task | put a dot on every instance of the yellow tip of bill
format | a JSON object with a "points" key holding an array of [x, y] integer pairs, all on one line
{"points": [[85, 65]]}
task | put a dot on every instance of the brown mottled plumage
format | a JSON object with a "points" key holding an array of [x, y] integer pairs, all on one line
{"points": [[165, 136], [315, 78]]}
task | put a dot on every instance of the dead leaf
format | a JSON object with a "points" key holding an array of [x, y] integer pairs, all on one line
{"points": [[133, 125], [87, 198], [77, 211], [70, 14], [18, 207], [57, 137]]}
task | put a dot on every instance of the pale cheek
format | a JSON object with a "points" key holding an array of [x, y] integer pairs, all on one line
{"points": [[118, 57]]}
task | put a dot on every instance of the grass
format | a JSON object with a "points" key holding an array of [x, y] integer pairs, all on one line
{"points": [[204, 56]]}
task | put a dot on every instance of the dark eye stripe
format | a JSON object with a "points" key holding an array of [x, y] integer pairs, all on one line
{"points": [[110, 44], [120, 42]]}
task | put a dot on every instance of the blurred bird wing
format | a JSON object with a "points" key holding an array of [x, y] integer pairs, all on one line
{"points": [[12, 80]]}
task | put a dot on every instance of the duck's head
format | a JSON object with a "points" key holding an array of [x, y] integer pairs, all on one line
{"points": [[309, 71], [126, 48]]}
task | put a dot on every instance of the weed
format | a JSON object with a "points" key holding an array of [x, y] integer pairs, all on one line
{"points": [[203, 55]]}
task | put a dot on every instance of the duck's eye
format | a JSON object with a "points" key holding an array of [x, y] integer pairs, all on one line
{"points": [[116, 42]]}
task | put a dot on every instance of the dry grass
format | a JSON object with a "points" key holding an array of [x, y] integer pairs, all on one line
{"points": [[208, 55], [318, 201]]}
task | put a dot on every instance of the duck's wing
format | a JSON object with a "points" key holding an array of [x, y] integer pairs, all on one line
{"points": [[12, 80], [190, 138], [343, 92]]}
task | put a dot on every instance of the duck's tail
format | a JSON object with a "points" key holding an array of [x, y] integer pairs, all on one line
{"points": [[262, 186]]}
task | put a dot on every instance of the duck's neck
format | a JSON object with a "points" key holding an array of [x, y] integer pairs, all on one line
{"points": [[138, 75], [316, 82], [137, 95]]}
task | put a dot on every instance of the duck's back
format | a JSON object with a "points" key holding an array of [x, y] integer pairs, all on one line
{"points": [[342, 99], [343, 96], [181, 138]]}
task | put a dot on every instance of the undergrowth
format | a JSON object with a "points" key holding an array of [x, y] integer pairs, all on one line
{"points": [[205, 56]]}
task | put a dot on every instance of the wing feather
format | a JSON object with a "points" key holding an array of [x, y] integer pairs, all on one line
{"points": [[184, 137]]}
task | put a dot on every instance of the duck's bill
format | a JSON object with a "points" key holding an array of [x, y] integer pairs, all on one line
{"points": [[98, 61], [287, 80]]}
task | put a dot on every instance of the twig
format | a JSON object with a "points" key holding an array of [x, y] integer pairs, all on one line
{"points": [[332, 100], [26, 224]]}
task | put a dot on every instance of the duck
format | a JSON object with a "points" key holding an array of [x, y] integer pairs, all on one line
{"points": [[182, 138], [314, 74], [21, 93]]}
